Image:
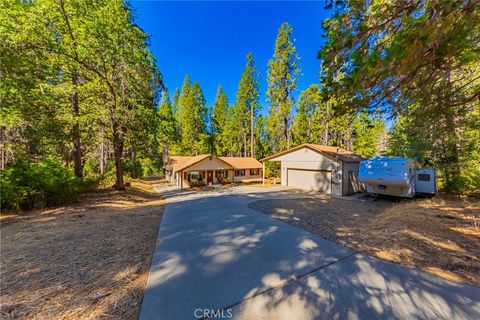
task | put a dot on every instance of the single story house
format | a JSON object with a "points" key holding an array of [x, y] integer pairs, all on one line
{"points": [[187, 171], [326, 169]]}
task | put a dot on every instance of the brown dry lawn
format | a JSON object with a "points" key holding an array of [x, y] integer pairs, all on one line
{"points": [[437, 235], [88, 260]]}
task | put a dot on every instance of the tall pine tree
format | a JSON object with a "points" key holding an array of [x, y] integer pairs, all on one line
{"points": [[247, 106], [219, 120], [282, 79]]}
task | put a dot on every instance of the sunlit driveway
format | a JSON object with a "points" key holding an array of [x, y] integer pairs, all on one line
{"points": [[216, 257]]}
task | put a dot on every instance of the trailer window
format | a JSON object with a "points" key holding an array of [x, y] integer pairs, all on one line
{"points": [[423, 177]]}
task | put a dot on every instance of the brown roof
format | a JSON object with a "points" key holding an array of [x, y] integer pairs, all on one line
{"points": [[242, 162], [329, 151], [179, 163]]}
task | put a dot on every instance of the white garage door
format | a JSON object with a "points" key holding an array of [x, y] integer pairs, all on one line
{"points": [[310, 179]]}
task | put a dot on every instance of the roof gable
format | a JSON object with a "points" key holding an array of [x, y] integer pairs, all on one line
{"points": [[331, 152], [185, 162], [179, 163]]}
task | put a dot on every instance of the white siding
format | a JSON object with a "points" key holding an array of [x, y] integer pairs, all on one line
{"points": [[310, 160], [247, 177]]}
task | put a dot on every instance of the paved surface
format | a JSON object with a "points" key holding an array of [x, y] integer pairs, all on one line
{"points": [[214, 253]]}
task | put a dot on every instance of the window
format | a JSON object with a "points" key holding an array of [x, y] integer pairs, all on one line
{"points": [[221, 173], [239, 173], [194, 176], [423, 177], [254, 172]]}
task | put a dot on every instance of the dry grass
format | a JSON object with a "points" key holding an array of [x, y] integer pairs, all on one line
{"points": [[436, 235], [89, 260], [146, 184]]}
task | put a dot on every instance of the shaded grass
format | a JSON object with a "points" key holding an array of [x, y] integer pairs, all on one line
{"points": [[440, 236]]}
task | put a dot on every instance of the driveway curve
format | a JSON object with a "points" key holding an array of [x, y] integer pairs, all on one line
{"points": [[216, 258]]}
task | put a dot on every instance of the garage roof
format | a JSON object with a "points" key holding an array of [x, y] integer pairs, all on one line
{"points": [[329, 151]]}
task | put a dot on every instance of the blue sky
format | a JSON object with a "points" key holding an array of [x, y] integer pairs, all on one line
{"points": [[209, 40]]}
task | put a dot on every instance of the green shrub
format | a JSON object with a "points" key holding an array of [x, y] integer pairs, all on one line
{"points": [[145, 167], [24, 186], [92, 176]]}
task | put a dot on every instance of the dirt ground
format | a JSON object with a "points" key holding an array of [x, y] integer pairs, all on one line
{"points": [[88, 260], [437, 235]]}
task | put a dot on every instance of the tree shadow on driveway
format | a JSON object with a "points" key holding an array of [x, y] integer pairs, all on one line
{"points": [[213, 252]]}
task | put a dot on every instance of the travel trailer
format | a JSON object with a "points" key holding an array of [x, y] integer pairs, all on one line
{"points": [[397, 176]]}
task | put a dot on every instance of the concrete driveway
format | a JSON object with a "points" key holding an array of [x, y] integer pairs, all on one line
{"points": [[216, 258]]}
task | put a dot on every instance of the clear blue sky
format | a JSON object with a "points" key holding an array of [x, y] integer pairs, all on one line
{"points": [[209, 40]]}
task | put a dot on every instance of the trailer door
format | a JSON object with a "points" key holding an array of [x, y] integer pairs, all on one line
{"points": [[425, 181]]}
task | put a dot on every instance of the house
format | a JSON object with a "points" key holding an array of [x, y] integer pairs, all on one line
{"points": [[326, 169], [204, 169]]}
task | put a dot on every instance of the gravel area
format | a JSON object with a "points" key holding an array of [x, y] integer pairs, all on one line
{"points": [[436, 235]]}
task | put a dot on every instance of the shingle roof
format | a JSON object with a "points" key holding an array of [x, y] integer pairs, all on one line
{"points": [[242, 162], [329, 151], [179, 163]]}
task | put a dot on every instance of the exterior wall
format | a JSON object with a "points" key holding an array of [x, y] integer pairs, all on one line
{"points": [[183, 183], [309, 159], [210, 164], [355, 185], [178, 179], [247, 177]]}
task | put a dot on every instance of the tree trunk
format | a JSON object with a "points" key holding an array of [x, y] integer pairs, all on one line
{"points": [[325, 136], [252, 152], [77, 152], [118, 155], [102, 152], [134, 163], [118, 147], [285, 132], [244, 143], [452, 170], [3, 142]]}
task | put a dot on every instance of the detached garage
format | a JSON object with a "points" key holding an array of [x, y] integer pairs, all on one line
{"points": [[319, 168]]}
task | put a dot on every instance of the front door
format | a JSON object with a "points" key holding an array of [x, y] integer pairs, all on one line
{"points": [[209, 177]]}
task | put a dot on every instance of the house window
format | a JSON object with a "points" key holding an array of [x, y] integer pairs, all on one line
{"points": [[221, 174], [423, 177], [194, 176], [254, 172], [239, 173]]}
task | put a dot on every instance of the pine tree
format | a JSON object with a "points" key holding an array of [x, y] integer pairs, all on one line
{"points": [[193, 120], [367, 133], [176, 97], [182, 99], [282, 78], [416, 60], [167, 134], [247, 105], [308, 121], [231, 139], [219, 120]]}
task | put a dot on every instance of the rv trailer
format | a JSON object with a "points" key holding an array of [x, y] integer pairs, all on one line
{"points": [[395, 176]]}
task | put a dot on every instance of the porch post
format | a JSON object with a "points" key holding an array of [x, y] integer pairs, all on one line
{"points": [[263, 172]]}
